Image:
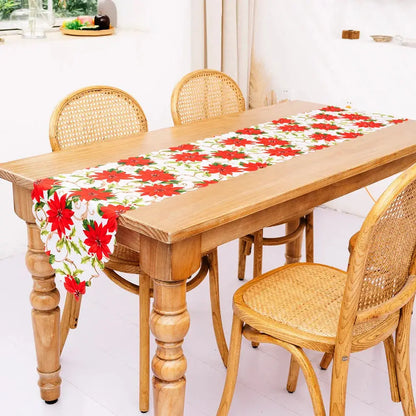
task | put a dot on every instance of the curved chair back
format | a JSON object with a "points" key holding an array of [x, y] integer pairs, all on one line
{"points": [[382, 268], [94, 114], [205, 94]]}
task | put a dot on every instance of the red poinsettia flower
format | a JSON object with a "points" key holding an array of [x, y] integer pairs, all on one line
{"points": [[293, 127], [88, 194], [181, 147], [332, 108], [249, 130], [154, 176], [283, 121], [59, 214], [283, 152], [222, 169], [136, 161], [160, 190], [97, 240], [203, 184], [229, 154], [74, 286], [189, 157], [112, 176], [272, 141], [398, 120], [236, 141], [40, 186], [111, 213], [319, 147], [369, 124], [325, 116], [323, 136], [251, 167], [350, 135], [355, 117], [324, 126]]}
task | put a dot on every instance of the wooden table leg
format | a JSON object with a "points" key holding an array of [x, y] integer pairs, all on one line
{"points": [[45, 316], [169, 323], [294, 248], [169, 265]]}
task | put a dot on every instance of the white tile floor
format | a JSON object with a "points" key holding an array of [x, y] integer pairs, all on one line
{"points": [[100, 360]]}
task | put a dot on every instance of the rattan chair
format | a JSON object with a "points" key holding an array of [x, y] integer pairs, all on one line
{"points": [[313, 306], [206, 94], [98, 113]]}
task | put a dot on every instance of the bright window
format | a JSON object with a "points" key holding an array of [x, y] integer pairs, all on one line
{"points": [[14, 13]]}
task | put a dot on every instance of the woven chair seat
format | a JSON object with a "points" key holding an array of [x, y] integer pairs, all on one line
{"points": [[302, 301], [124, 259]]}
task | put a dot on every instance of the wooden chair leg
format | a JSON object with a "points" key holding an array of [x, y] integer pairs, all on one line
{"points": [[257, 262], [70, 315], [303, 362], [389, 349], [403, 362], [339, 381], [241, 258], [258, 253], [232, 369], [292, 379], [309, 237], [326, 360], [215, 305], [144, 353], [293, 248]]}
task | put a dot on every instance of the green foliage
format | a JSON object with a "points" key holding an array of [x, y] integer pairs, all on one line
{"points": [[6, 8], [64, 8]]}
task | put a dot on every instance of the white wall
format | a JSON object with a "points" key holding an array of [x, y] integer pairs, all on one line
{"points": [[149, 53], [299, 43]]}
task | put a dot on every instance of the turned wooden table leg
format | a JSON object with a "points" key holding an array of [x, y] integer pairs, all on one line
{"points": [[169, 265], [169, 323], [294, 248], [45, 316]]}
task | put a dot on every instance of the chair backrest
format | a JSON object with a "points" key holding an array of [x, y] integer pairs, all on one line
{"points": [[94, 114], [205, 94], [382, 268]]}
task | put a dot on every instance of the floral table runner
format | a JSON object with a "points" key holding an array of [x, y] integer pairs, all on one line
{"points": [[77, 212]]}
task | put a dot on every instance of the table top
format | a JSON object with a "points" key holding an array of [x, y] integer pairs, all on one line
{"points": [[196, 212]]}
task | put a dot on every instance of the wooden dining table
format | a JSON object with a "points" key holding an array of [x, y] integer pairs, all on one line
{"points": [[172, 234]]}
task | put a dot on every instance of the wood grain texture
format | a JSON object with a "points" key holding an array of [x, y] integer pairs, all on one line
{"points": [[70, 315], [214, 292], [200, 211], [362, 307], [171, 245], [169, 322], [45, 316], [389, 349], [144, 348]]}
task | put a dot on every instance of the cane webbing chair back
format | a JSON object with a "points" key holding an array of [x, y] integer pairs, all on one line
{"points": [[390, 249], [95, 114], [383, 258], [205, 94]]}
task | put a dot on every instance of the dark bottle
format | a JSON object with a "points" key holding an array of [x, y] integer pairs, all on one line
{"points": [[103, 22]]}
